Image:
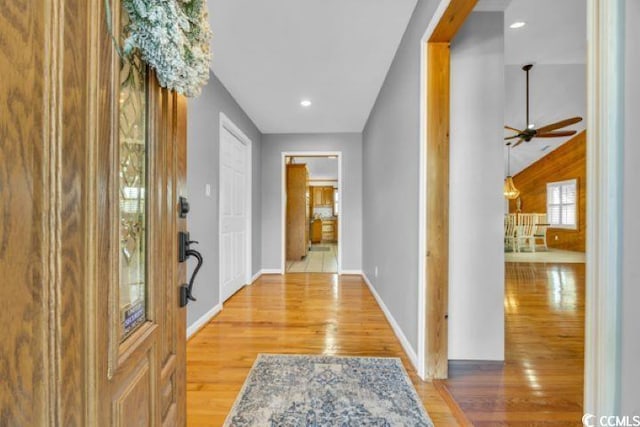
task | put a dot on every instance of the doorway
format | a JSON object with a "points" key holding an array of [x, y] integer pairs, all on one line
{"points": [[234, 209], [602, 284], [311, 212]]}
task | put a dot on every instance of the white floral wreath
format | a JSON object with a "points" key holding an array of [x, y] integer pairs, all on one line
{"points": [[173, 38]]}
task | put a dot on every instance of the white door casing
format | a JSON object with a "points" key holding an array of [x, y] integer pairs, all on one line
{"points": [[234, 209]]}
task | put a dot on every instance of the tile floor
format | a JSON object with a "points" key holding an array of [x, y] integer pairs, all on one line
{"points": [[316, 261]]}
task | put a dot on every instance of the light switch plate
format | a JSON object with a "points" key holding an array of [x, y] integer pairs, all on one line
{"points": [[207, 190]]}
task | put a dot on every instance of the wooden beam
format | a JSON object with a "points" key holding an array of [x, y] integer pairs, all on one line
{"points": [[438, 68], [437, 185], [453, 18]]}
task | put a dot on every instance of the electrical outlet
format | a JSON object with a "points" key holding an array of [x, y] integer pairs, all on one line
{"points": [[207, 190], [375, 271]]}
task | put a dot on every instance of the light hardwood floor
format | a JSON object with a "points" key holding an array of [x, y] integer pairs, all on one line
{"points": [[541, 381], [297, 313]]}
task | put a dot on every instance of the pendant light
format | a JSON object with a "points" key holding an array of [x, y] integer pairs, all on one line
{"points": [[510, 190]]}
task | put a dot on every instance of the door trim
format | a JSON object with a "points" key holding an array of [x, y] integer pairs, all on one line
{"points": [[605, 139], [283, 203], [433, 218], [422, 188], [230, 126]]}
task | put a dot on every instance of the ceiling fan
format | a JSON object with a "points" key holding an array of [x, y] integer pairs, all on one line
{"points": [[548, 131]]}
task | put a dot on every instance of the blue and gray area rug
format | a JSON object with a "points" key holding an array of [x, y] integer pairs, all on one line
{"points": [[315, 391]]}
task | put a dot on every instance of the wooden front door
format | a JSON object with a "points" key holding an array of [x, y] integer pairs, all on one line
{"points": [[92, 165]]}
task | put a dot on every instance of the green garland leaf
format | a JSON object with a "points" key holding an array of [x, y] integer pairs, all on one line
{"points": [[173, 38]]}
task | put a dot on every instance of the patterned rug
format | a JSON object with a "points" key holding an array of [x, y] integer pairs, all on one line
{"points": [[316, 391]]}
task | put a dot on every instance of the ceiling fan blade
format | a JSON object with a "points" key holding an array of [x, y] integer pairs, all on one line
{"points": [[557, 134], [517, 143], [512, 137], [558, 125], [513, 129]]}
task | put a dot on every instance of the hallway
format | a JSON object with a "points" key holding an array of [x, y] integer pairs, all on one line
{"points": [[299, 313]]}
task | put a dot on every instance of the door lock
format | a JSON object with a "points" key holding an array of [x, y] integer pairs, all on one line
{"points": [[184, 207]]}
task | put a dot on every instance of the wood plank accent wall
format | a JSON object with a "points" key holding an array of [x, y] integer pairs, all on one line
{"points": [[569, 161]]}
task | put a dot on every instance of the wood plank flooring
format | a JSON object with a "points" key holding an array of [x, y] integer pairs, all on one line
{"points": [[541, 381], [297, 313]]}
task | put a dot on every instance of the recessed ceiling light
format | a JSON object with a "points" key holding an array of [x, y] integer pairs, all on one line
{"points": [[305, 103], [517, 24]]}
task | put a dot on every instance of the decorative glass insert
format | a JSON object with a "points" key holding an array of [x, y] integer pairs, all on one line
{"points": [[132, 191]]}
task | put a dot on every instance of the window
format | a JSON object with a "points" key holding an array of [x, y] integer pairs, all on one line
{"points": [[562, 200]]}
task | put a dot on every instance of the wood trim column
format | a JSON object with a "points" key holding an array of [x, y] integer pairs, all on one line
{"points": [[438, 67], [438, 71]]}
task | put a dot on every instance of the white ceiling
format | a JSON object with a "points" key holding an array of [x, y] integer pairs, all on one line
{"points": [[271, 54], [320, 168], [337, 53], [556, 32], [555, 40]]}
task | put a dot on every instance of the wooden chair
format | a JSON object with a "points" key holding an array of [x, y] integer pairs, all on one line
{"points": [[510, 232], [525, 230], [541, 230]]}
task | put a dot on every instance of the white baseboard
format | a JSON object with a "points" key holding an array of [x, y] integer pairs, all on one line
{"points": [[255, 277], [203, 320], [271, 271], [411, 353], [352, 272]]}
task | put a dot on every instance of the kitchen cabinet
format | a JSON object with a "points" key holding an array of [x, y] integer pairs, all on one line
{"points": [[316, 196], [327, 196], [316, 231], [297, 211], [322, 196], [329, 230]]}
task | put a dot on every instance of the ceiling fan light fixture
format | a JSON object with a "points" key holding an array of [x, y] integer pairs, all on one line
{"points": [[510, 191]]}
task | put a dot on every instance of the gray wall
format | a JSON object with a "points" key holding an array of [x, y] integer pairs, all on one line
{"points": [[476, 283], [630, 352], [203, 136], [273, 145], [391, 141]]}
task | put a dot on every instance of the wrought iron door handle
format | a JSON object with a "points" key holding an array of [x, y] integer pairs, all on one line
{"points": [[184, 252], [197, 255]]}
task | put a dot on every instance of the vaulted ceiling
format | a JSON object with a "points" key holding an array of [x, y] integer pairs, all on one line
{"points": [[554, 40]]}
